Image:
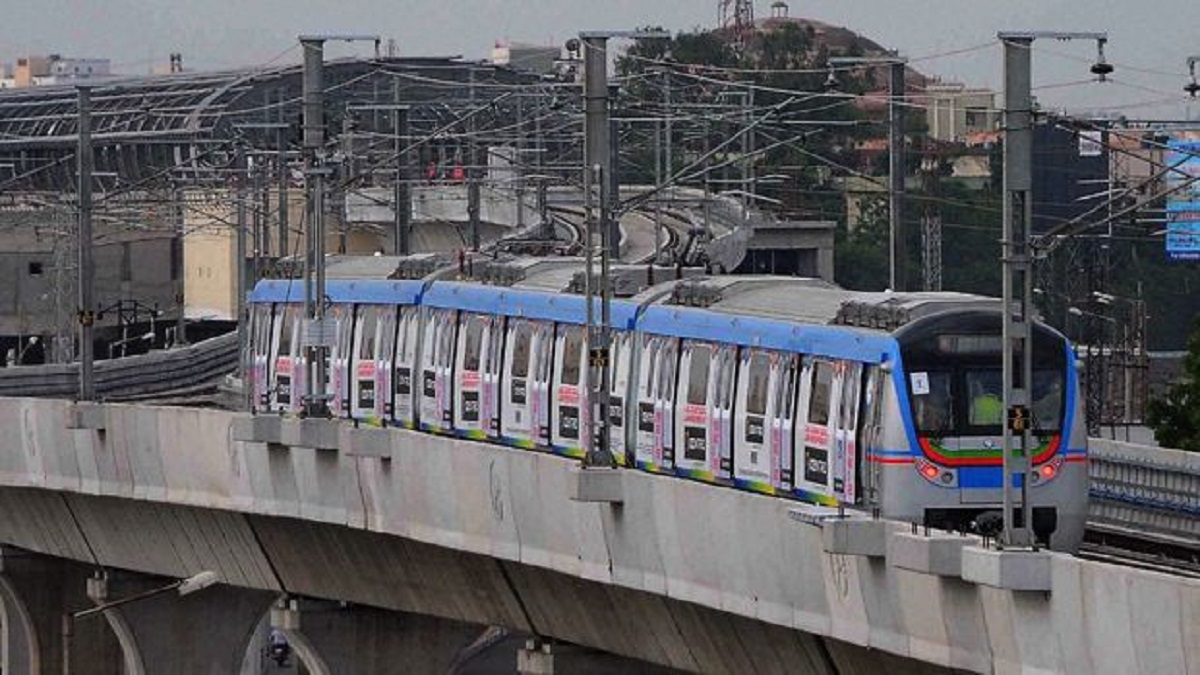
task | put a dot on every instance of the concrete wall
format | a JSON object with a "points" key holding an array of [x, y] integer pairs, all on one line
{"points": [[477, 521]]}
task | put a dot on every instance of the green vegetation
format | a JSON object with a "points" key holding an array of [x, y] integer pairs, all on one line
{"points": [[810, 143], [1175, 417]]}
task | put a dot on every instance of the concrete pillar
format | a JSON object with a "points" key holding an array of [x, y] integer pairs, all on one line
{"points": [[20, 640], [535, 658], [204, 633], [37, 591]]}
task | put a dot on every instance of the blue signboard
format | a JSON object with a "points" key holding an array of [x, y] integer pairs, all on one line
{"points": [[1183, 205]]}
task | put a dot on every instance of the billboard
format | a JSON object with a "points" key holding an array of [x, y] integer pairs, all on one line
{"points": [[1183, 204]]}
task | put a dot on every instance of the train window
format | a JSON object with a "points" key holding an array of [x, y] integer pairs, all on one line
{"points": [[933, 403], [522, 337], [759, 376], [614, 350], [542, 357], [697, 392], [1048, 394], [785, 391], [445, 356], [262, 330], [985, 394], [818, 402], [650, 344], [572, 345], [671, 371], [285, 332], [848, 417], [725, 376], [366, 324], [471, 343]]}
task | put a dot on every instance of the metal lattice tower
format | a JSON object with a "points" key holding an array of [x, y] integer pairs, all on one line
{"points": [[931, 251], [931, 227], [737, 17]]}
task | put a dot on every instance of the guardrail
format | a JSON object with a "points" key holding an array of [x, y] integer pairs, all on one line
{"points": [[1145, 490], [193, 369]]}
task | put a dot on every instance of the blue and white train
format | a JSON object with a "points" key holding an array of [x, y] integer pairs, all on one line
{"points": [[783, 386]]}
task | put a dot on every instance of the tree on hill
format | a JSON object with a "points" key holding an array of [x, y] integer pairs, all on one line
{"points": [[1175, 417]]}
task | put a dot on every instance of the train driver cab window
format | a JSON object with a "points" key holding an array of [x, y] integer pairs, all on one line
{"points": [[1048, 395], [933, 402], [985, 398]]}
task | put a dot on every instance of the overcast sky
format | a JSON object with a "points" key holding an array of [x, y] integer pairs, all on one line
{"points": [[1150, 40]]}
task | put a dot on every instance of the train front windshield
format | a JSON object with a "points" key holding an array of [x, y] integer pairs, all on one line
{"points": [[955, 381]]}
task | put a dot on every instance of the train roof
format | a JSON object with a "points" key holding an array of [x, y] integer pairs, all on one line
{"points": [[817, 302], [793, 314], [522, 302], [355, 267], [358, 291], [803, 315]]}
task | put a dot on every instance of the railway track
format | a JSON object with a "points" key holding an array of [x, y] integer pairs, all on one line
{"points": [[1142, 549]]}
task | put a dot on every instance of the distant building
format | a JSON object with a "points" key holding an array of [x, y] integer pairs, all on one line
{"points": [[954, 112], [1070, 173], [135, 274], [32, 71], [538, 59]]}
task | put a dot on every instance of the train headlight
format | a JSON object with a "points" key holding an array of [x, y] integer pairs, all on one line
{"points": [[937, 475], [1046, 472]]}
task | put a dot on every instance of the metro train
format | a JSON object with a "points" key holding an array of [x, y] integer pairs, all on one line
{"points": [[783, 386]]}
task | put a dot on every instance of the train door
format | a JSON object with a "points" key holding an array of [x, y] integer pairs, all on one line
{"points": [[408, 332], [647, 454], [666, 388], [492, 375], [341, 353], [721, 434], [872, 428], [848, 385], [783, 435], [655, 393], [523, 392], [620, 359], [814, 437], [516, 423], [705, 384], [371, 362], [569, 415], [385, 354], [259, 356], [542, 370], [437, 362], [756, 424], [362, 356], [290, 366], [476, 368]]}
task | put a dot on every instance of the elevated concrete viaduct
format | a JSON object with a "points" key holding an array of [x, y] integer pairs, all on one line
{"points": [[677, 574]]}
